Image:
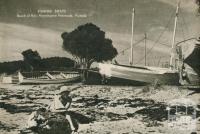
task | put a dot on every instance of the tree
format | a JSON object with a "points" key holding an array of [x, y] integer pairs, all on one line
{"points": [[87, 43], [31, 58], [198, 3]]}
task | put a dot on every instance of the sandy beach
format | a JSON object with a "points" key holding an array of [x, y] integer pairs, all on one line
{"points": [[100, 109]]}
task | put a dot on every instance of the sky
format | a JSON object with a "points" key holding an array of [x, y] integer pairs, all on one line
{"points": [[19, 31]]}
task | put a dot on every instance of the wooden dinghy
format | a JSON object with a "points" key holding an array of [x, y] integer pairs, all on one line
{"points": [[47, 77]]}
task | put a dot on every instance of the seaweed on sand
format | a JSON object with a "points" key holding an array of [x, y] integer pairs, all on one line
{"points": [[17, 109], [96, 115], [157, 112], [137, 102], [92, 101], [6, 127]]}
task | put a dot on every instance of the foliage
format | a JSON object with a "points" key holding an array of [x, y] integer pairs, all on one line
{"points": [[198, 3], [56, 63], [31, 55], [48, 64], [12, 67], [31, 58], [87, 43]]}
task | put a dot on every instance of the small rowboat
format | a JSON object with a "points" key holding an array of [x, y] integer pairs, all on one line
{"points": [[47, 77]]}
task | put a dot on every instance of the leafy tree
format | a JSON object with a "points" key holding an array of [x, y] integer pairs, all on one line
{"points": [[198, 3], [31, 58], [87, 43], [56, 63], [31, 55], [47, 64]]}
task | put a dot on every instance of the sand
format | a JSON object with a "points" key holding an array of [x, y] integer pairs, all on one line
{"points": [[98, 109]]}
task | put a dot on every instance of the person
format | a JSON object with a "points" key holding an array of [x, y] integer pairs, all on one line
{"points": [[61, 104], [183, 76], [37, 120]]}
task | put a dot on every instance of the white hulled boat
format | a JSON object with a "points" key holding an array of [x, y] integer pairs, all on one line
{"points": [[145, 74]]}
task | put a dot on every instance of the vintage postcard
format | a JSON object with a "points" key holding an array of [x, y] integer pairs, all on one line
{"points": [[99, 66]]}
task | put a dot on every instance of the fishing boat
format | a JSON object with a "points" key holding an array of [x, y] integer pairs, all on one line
{"points": [[140, 75], [193, 57], [144, 74], [43, 77], [190, 64]]}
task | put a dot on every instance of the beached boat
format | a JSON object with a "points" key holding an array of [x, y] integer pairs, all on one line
{"points": [[145, 74], [47, 77], [140, 75], [187, 74], [190, 69]]}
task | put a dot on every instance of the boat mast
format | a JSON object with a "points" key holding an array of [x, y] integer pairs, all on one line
{"points": [[145, 49], [172, 58], [132, 30]]}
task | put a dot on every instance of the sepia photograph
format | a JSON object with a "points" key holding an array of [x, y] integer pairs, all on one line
{"points": [[99, 66]]}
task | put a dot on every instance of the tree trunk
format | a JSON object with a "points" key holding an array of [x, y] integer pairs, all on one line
{"points": [[85, 65], [85, 73]]}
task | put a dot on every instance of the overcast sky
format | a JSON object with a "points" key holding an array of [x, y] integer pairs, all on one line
{"points": [[112, 16]]}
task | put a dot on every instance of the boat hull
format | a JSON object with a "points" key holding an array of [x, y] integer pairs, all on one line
{"points": [[48, 81], [193, 80], [47, 78], [193, 60], [146, 75]]}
